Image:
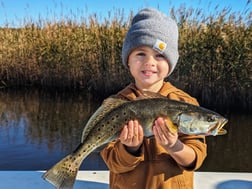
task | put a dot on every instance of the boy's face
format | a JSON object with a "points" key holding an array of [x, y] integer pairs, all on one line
{"points": [[148, 67]]}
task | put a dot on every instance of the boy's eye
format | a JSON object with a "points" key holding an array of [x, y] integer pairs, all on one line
{"points": [[160, 56], [141, 54]]}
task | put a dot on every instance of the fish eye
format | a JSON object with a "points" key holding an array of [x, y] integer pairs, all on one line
{"points": [[210, 118]]}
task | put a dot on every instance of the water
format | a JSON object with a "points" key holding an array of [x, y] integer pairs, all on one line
{"points": [[38, 129]]}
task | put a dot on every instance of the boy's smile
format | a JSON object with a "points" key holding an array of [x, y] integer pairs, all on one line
{"points": [[148, 67], [148, 73]]}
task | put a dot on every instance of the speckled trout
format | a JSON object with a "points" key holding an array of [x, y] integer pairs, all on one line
{"points": [[107, 122]]}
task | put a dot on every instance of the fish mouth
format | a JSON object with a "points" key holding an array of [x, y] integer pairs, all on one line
{"points": [[222, 131], [218, 127], [222, 123]]}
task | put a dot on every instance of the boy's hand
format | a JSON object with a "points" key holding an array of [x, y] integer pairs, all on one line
{"points": [[163, 135], [132, 136]]}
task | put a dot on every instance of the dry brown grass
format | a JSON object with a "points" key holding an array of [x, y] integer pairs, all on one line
{"points": [[214, 65]]}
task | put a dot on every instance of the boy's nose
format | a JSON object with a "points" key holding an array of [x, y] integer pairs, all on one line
{"points": [[150, 61]]}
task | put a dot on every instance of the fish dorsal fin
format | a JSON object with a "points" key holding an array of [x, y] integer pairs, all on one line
{"points": [[113, 102], [148, 94], [107, 105]]}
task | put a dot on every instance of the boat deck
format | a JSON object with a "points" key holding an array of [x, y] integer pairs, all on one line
{"points": [[100, 180]]}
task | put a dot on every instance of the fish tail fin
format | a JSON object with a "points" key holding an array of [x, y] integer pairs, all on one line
{"points": [[170, 125], [63, 174]]}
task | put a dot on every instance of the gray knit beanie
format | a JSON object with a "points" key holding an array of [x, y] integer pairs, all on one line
{"points": [[154, 29]]}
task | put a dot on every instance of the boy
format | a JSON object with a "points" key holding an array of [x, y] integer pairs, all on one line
{"points": [[150, 52]]}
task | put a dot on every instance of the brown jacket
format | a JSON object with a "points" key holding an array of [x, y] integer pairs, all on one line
{"points": [[154, 168]]}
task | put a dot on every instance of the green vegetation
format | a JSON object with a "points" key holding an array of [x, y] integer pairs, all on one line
{"points": [[214, 65]]}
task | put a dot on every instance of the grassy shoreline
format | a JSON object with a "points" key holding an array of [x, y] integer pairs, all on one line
{"points": [[214, 64]]}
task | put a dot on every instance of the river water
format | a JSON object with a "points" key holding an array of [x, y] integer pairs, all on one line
{"points": [[37, 129]]}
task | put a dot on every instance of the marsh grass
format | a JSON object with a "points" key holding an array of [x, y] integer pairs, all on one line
{"points": [[214, 65]]}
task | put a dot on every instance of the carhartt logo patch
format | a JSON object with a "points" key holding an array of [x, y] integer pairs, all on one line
{"points": [[160, 46]]}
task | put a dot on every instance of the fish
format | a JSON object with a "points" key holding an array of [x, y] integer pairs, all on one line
{"points": [[106, 123]]}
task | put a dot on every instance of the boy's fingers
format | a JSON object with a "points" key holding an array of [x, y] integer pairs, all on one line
{"points": [[130, 130], [135, 129], [124, 133]]}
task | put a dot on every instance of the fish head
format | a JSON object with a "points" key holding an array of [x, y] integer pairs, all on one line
{"points": [[204, 123]]}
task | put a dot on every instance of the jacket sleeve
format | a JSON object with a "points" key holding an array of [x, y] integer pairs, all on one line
{"points": [[198, 144], [118, 159]]}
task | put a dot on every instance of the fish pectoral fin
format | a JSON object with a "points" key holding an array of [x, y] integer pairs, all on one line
{"points": [[173, 128], [149, 94]]}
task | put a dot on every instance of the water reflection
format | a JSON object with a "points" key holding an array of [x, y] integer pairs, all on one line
{"points": [[37, 129], [231, 152]]}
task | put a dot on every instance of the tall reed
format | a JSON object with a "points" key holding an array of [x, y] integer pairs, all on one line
{"points": [[214, 65], [215, 57]]}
